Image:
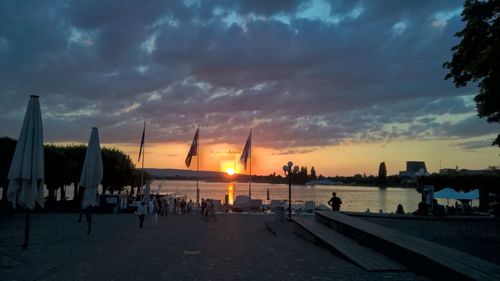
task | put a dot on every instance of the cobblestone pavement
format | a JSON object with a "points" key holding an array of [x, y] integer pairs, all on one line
{"points": [[236, 247]]}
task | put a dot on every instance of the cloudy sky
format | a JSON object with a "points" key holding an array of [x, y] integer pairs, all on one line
{"points": [[340, 85]]}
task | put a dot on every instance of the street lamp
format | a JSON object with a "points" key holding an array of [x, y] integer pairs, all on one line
{"points": [[289, 172], [420, 174]]}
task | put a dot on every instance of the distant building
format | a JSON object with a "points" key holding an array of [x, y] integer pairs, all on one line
{"points": [[448, 172], [411, 168], [491, 171]]}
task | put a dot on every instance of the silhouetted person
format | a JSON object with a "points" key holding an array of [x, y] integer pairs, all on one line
{"points": [[141, 212], [202, 208], [437, 209], [335, 202], [183, 207], [423, 209], [400, 210], [190, 207]]}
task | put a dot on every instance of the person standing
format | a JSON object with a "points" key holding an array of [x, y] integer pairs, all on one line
{"points": [[183, 207], [154, 212], [164, 207], [190, 207], [141, 212], [335, 202], [400, 210], [202, 208]]}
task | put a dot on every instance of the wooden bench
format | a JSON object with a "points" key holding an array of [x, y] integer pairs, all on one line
{"points": [[434, 259], [365, 257]]}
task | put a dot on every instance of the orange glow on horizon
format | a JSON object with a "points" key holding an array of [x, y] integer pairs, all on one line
{"points": [[345, 159]]}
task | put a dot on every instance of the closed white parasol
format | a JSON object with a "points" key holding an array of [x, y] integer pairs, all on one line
{"points": [[92, 170], [27, 167], [26, 171], [91, 175]]}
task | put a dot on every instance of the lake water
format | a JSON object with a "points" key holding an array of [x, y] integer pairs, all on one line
{"points": [[354, 198]]}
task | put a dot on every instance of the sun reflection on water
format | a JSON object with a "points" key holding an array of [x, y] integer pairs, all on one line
{"points": [[230, 193]]}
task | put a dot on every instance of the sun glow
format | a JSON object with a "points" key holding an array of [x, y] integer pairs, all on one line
{"points": [[230, 171], [229, 167]]}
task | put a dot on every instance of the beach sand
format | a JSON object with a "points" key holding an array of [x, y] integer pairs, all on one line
{"points": [[236, 247]]}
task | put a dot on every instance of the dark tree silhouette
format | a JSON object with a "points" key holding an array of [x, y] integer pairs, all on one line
{"points": [[63, 166], [313, 174], [7, 147], [477, 57], [118, 170], [75, 156], [56, 170], [382, 173]]}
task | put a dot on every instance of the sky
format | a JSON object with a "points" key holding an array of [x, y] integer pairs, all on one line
{"points": [[338, 85]]}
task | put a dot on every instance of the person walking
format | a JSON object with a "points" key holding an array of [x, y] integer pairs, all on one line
{"points": [[141, 212], [335, 202], [202, 208]]}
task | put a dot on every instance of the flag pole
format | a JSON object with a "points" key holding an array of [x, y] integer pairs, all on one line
{"points": [[143, 148], [250, 179], [197, 168]]}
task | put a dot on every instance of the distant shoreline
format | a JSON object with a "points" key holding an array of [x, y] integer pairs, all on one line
{"points": [[227, 180]]}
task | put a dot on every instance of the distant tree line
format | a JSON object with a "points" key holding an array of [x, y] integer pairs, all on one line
{"points": [[63, 167]]}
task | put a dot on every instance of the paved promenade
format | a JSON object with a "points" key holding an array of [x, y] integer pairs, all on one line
{"points": [[236, 247]]}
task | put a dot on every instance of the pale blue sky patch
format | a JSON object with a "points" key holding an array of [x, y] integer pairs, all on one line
{"points": [[142, 69], [81, 37], [400, 27], [282, 18], [316, 10], [323, 11], [441, 18], [149, 46], [229, 17], [129, 109], [153, 96]]}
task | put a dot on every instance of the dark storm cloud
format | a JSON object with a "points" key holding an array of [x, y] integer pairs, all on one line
{"points": [[301, 73]]}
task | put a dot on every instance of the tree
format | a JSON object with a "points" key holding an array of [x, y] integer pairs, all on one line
{"points": [[57, 170], [382, 173], [118, 170], [477, 57], [7, 147], [75, 155], [313, 174]]}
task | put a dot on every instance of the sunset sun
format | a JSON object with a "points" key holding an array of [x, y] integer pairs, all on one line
{"points": [[230, 171]]}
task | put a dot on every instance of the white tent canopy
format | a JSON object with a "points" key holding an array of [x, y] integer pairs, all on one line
{"points": [[449, 193]]}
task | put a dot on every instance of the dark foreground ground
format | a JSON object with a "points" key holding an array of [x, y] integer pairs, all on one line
{"points": [[478, 238], [236, 247]]}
